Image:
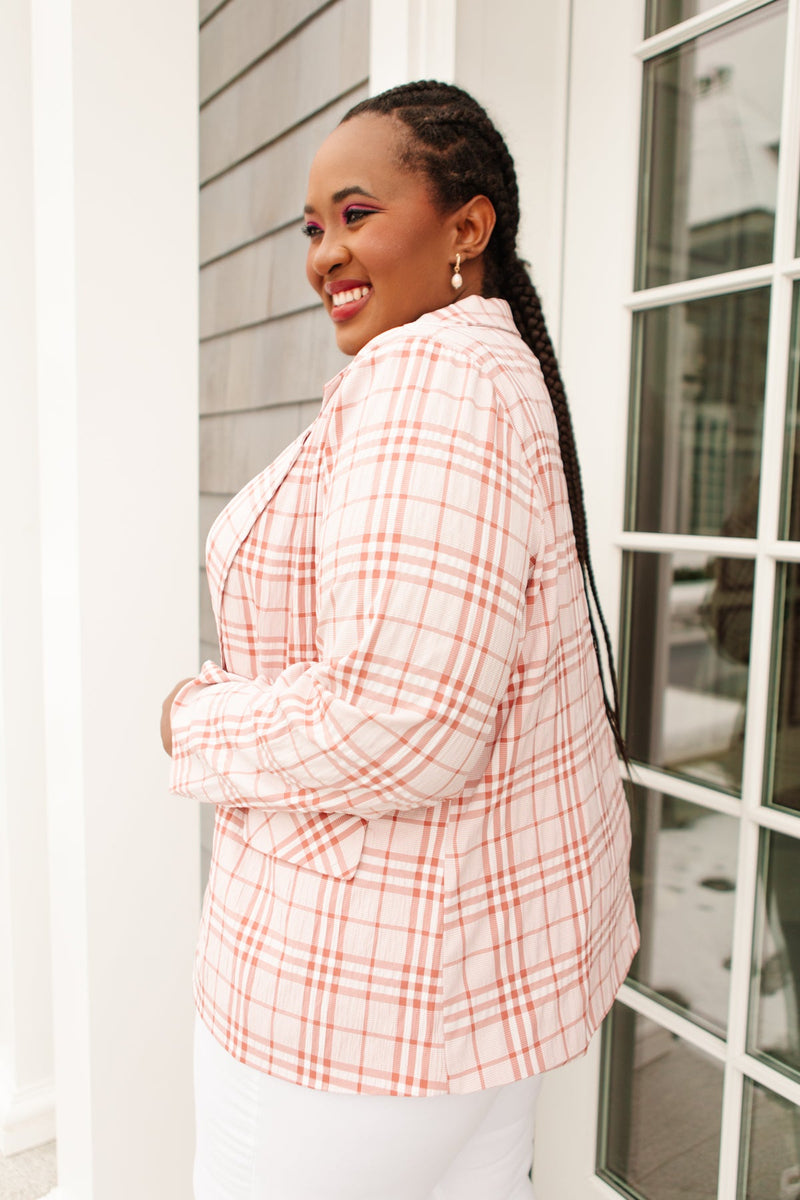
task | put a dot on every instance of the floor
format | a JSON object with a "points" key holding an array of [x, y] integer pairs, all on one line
{"points": [[30, 1175]]}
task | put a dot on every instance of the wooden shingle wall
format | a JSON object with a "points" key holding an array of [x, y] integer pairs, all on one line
{"points": [[275, 78]]}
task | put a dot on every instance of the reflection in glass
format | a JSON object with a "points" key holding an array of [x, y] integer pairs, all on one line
{"points": [[663, 1103], [684, 664], [711, 126], [698, 413], [774, 1011], [683, 870], [771, 1146], [663, 14], [783, 746], [791, 486]]}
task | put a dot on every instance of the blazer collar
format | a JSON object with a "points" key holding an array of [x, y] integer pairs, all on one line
{"points": [[472, 312]]}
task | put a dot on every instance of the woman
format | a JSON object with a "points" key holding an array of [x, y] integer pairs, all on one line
{"points": [[418, 898]]}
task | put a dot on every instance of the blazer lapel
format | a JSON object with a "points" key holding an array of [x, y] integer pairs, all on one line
{"points": [[238, 517]]}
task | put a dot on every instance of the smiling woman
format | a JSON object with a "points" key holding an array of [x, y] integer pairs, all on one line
{"points": [[377, 245], [419, 897]]}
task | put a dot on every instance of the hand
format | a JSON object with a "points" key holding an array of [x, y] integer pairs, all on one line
{"points": [[166, 722]]}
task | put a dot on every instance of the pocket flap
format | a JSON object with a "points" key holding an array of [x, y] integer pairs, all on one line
{"points": [[324, 842]]}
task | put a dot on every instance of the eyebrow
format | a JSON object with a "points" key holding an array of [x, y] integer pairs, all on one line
{"points": [[342, 194]]}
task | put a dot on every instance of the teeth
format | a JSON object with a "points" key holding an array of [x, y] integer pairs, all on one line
{"points": [[340, 298]]}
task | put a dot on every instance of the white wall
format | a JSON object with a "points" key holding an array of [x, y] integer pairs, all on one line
{"points": [[100, 398], [514, 59], [529, 65], [411, 39]]}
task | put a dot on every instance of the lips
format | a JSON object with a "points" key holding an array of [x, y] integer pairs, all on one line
{"points": [[348, 297]]}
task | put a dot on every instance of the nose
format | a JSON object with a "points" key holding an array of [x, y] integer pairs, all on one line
{"points": [[327, 253]]}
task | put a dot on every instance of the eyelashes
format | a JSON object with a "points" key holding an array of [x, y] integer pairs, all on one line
{"points": [[350, 216], [353, 214]]}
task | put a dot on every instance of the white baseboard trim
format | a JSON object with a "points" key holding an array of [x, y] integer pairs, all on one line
{"points": [[27, 1117]]}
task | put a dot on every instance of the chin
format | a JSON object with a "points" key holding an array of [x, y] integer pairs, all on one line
{"points": [[350, 342]]}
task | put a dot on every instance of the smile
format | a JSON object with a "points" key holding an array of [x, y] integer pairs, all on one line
{"points": [[347, 302], [340, 298]]}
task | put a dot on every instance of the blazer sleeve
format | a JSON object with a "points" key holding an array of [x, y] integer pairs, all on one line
{"points": [[425, 541]]}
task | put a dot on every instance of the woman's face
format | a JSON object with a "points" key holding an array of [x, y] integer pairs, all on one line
{"points": [[380, 253]]}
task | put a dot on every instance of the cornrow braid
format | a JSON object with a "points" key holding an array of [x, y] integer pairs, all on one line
{"points": [[449, 138]]}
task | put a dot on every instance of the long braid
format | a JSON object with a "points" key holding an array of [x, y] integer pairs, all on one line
{"points": [[456, 146], [528, 317]]}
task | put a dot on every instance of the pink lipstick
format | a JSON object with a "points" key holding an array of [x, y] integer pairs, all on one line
{"points": [[348, 297]]}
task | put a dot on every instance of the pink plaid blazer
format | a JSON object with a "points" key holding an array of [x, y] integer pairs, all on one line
{"points": [[419, 880]]}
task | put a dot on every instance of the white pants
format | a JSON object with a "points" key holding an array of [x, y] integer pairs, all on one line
{"points": [[260, 1138]]}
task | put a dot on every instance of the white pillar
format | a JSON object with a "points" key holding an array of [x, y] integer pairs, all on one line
{"points": [[26, 1045], [115, 151], [411, 39]]}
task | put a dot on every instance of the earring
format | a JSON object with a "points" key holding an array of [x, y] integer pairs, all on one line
{"points": [[455, 279]]}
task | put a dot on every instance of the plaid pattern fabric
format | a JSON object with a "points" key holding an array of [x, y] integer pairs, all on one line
{"points": [[420, 871]]}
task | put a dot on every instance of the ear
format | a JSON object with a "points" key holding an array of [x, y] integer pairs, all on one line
{"points": [[474, 223]]}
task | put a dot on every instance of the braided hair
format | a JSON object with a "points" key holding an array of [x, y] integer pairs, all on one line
{"points": [[450, 139]]}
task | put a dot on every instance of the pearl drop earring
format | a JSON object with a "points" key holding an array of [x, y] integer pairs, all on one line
{"points": [[455, 279]]}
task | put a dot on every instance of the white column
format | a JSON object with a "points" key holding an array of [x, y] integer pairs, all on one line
{"points": [[115, 150], [600, 227], [27, 1114], [599, 223], [411, 39]]}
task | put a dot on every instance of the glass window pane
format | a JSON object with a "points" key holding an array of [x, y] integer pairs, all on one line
{"points": [[683, 868], [791, 487], [771, 1146], [662, 1108], [695, 445], [663, 14], [684, 665], [711, 131], [774, 1008], [783, 745]]}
